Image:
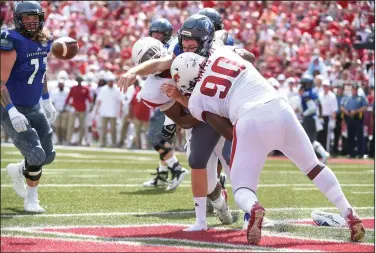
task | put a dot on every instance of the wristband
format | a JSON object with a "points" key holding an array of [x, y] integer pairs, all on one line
{"points": [[45, 96], [9, 106]]}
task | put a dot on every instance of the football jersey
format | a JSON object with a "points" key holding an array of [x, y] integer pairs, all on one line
{"points": [[151, 94], [229, 86], [25, 83], [309, 94]]}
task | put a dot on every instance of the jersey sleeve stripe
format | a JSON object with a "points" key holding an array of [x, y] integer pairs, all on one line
{"points": [[151, 104]]}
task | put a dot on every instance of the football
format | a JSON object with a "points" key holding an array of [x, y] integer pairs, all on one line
{"points": [[64, 48]]}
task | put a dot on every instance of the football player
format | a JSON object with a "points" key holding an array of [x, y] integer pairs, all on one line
{"points": [[225, 87], [24, 53], [159, 135], [195, 35], [311, 123]]}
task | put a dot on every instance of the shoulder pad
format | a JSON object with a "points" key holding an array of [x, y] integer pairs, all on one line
{"points": [[6, 44]]}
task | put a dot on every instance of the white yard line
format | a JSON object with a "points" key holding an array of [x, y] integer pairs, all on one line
{"points": [[185, 185], [282, 209], [372, 192]]}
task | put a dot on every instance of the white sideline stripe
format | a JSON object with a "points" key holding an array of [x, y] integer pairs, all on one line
{"points": [[132, 170], [185, 185], [305, 189], [88, 156], [362, 192], [282, 209]]}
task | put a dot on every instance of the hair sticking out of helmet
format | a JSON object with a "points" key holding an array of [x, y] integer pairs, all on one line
{"points": [[23, 18], [199, 28]]}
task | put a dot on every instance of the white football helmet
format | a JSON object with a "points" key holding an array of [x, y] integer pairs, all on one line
{"points": [[147, 48], [185, 71]]}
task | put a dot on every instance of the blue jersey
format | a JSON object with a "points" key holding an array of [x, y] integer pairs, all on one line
{"points": [[309, 94], [25, 83]]}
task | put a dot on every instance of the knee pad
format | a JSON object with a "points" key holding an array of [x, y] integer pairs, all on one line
{"points": [[161, 146], [32, 172], [36, 156], [50, 157]]}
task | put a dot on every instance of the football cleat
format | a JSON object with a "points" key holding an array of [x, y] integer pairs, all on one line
{"points": [[266, 223], [356, 226], [15, 173], [160, 179], [32, 205], [177, 178], [257, 214], [224, 214]]}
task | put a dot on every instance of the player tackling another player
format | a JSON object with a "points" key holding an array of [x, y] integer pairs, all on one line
{"points": [[225, 86]]}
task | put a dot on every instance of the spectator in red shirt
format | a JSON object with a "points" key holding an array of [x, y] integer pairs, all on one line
{"points": [[78, 94], [141, 115]]}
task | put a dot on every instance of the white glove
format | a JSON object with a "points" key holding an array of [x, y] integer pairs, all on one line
{"points": [[49, 110], [19, 121]]}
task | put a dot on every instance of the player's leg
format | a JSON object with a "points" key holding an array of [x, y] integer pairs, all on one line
{"points": [[203, 140], [298, 148], [218, 198], [29, 144], [168, 159]]}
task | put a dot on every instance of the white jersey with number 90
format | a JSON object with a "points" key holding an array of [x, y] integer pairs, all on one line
{"points": [[229, 86]]}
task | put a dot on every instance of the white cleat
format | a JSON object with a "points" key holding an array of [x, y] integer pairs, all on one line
{"points": [[178, 177], [196, 227], [15, 173], [160, 179], [33, 206], [224, 215]]}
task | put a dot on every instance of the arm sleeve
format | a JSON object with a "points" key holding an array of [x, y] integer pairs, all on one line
{"points": [[311, 108]]}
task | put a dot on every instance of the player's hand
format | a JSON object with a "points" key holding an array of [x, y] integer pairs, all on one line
{"points": [[126, 80], [171, 91], [19, 121], [168, 131], [49, 110]]}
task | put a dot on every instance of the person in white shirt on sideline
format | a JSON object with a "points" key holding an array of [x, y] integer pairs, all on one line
{"points": [[329, 107], [58, 98], [109, 106]]}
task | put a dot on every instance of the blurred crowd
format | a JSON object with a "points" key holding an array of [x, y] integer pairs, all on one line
{"points": [[331, 40]]}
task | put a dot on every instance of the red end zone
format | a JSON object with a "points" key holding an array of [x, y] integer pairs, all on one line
{"points": [[235, 237]]}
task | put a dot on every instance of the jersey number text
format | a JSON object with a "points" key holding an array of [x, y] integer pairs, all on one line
{"points": [[210, 84]]}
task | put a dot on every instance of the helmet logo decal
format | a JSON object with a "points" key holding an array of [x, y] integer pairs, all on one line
{"points": [[176, 77], [207, 25], [188, 33]]}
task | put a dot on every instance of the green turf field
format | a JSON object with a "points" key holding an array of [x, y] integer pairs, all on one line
{"points": [[104, 187]]}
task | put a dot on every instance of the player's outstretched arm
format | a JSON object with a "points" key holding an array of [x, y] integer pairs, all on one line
{"points": [[220, 124], [19, 121], [145, 68], [177, 114]]}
